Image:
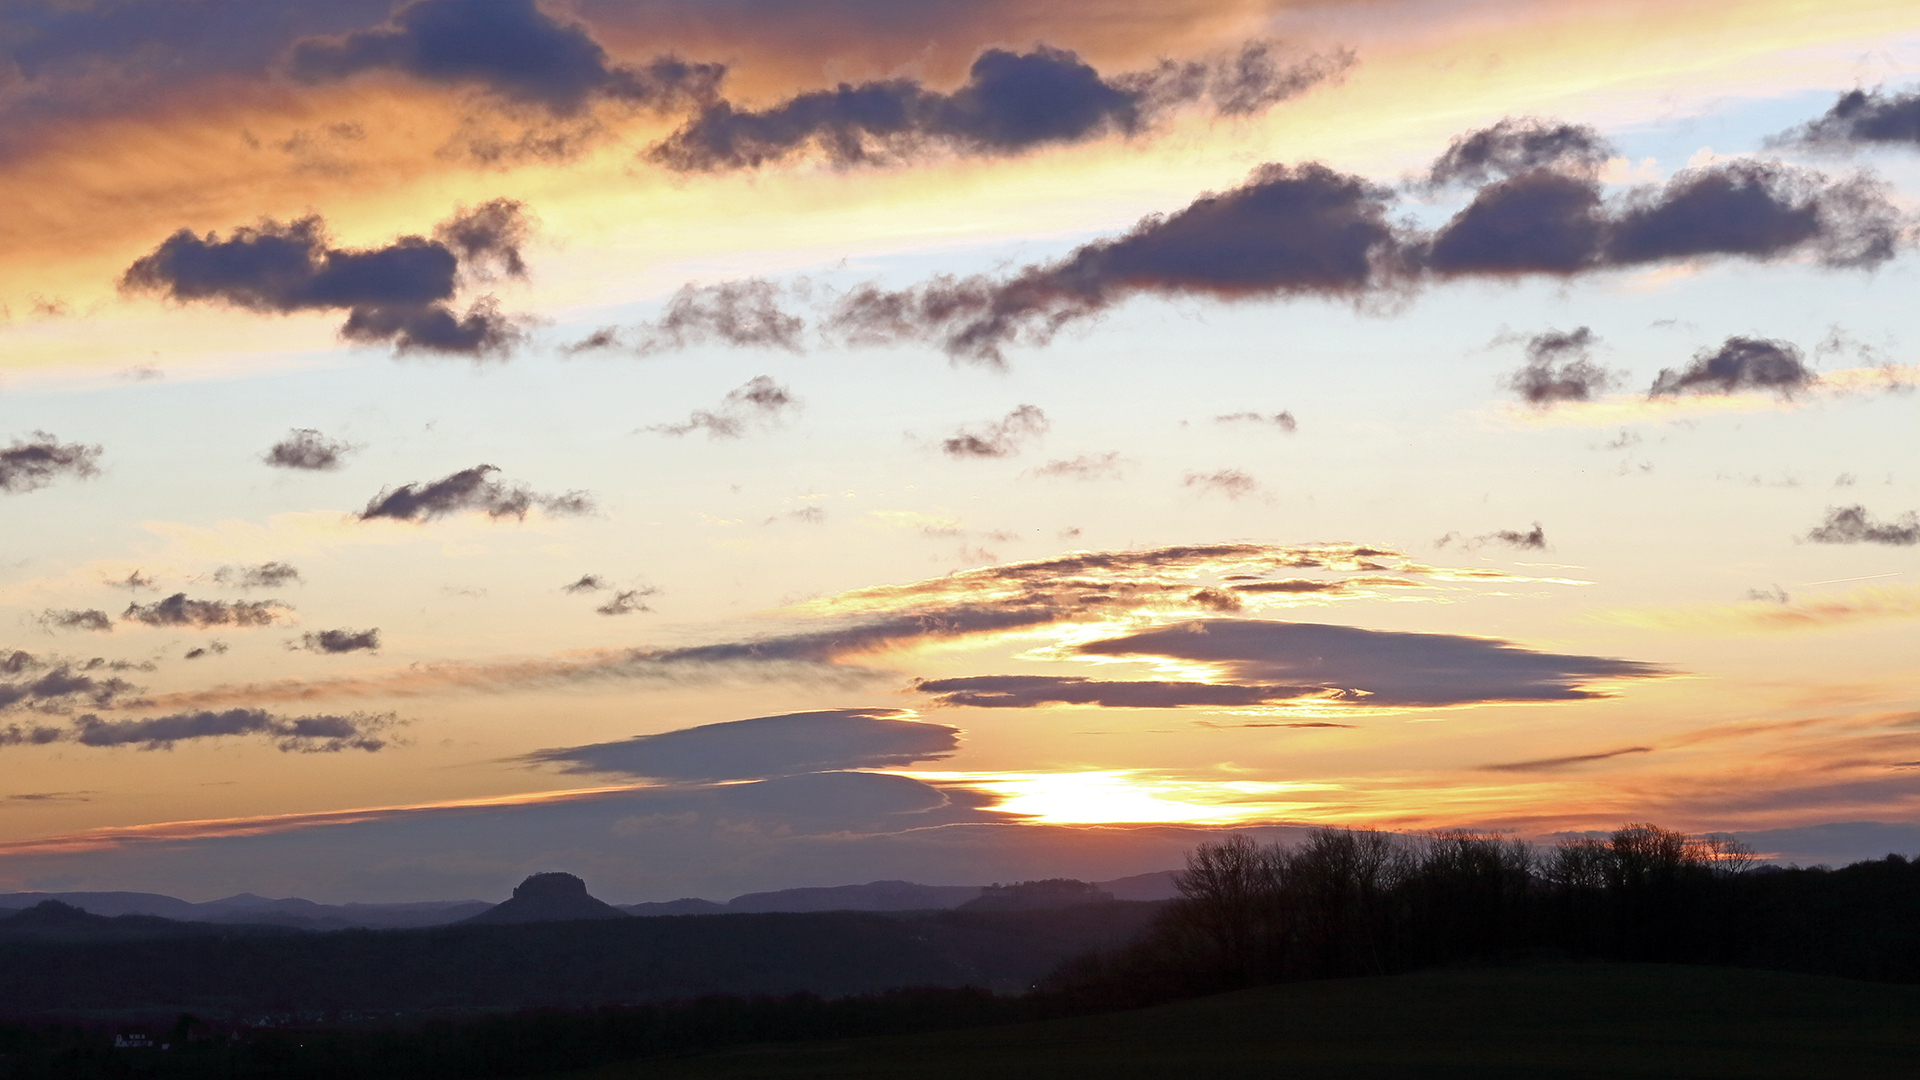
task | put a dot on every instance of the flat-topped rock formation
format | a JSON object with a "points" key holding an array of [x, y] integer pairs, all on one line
{"points": [[549, 898]]}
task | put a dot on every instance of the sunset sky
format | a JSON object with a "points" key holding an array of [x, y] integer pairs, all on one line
{"points": [[721, 445]]}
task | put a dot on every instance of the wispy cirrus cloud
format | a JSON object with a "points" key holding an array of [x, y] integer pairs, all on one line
{"points": [[1280, 421], [76, 619], [759, 401], [744, 314], [1105, 466], [1778, 613], [1555, 764], [1231, 483], [766, 746], [1001, 438]]}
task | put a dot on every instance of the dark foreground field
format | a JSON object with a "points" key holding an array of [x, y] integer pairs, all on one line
{"points": [[1539, 1021]]}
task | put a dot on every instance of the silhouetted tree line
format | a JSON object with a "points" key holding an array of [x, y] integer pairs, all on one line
{"points": [[1358, 902]]}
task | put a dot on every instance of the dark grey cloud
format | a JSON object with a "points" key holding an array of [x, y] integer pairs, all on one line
{"points": [[337, 641], [759, 400], [211, 648], [1554, 222], [1031, 691], [399, 293], [488, 238], [1853, 525], [742, 314], [299, 734], [1219, 600], [1534, 539], [587, 583], [1865, 117], [1519, 145], [49, 38], [1375, 667], [1556, 763], [31, 465], [177, 610], [134, 581], [1283, 420], [1740, 363], [1232, 483], [69, 61], [470, 489], [60, 686], [35, 735], [1759, 210], [1306, 230], [1011, 102], [1287, 232], [1106, 466], [1540, 222], [267, 575], [508, 47], [1560, 367], [1001, 438], [306, 448], [627, 601], [76, 619], [765, 747]]}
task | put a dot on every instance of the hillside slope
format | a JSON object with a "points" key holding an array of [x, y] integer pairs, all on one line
{"points": [[1539, 1022]]}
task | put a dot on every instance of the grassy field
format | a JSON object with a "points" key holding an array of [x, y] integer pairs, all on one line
{"points": [[1536, 1021]]}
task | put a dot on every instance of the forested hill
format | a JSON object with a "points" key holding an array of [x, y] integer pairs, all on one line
{"points": [[563, 964]]}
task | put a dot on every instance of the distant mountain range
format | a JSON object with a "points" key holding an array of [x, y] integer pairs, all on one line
{"points": [[251, 909], [246, 908], [53, 921]]}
